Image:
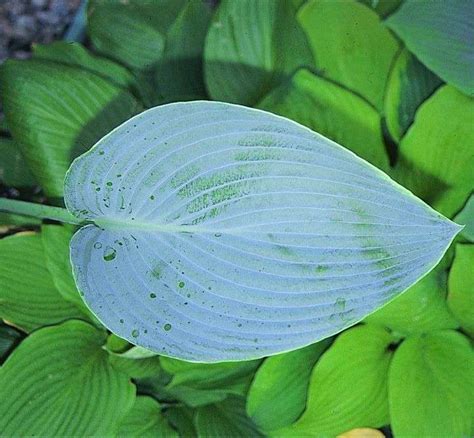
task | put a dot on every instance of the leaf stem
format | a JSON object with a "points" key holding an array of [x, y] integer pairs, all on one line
{"points": [[39, 211]]}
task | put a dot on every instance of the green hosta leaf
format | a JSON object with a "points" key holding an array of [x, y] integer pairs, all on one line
{"points": [[436, 154], [409, 84], [420, 309], [58, 382], [130, 32], [56, 240], [13, 169], [75, 55], [431, 386], [56, 112], [245, 55], [466, 217], [350, 45], [182, 419], [179, 75], [161, 41], [146, 420], [348, 386], [227, 418], [461, 287], [332, 111], [202, 384], [28, 296], [9, 338], [227, 233], [440, 34], [278, 393], [136, 362]]}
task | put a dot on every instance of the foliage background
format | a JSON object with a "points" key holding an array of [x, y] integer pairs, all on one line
{"points": [[391, 80]]}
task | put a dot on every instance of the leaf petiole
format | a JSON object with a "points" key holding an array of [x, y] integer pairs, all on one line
{"points": [[39, 211]]}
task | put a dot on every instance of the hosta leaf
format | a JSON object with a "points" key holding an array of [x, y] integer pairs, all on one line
{"points": [[466, 217], [129, 32], [348, 387], [350, 45], [75, 55], [332, 111], [13, 169], [421, 308], [9, 338], [58, 382], [278, 393], [431, 386], [28, 296], [202, 384], [244, 54], [206, 375], [409, 84], [146, 420], [436, 154], [56, 240], [227, 233], [136, 367], [179, 75], [440, 34], [227, 418], [161, 41], [182, 419], [55, 112], [461, 287]]}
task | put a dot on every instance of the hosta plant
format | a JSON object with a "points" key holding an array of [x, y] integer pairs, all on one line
{"points": [[276, 262]]}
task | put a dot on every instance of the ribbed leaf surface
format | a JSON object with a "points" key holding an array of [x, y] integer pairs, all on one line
{"points": [[227, 233]]}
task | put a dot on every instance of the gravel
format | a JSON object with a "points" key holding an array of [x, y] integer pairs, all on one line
{"points": [[23, 22]]}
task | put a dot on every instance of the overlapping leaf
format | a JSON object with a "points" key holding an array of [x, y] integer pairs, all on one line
{"points": [[161, 41], [436, 155], [431, 386], [227, 418], [146, 420], [421, 308], [348, 387], [332, 111], [278, 393], [461, 287], [244, 54], [409, 84], [350, 46], [440, 34], [223, 232], [56, 112], [58, 382], [28, 296]]}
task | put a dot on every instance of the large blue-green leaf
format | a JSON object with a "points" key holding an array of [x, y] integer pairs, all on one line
{"points": [[440, 34], [221, 232]]}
